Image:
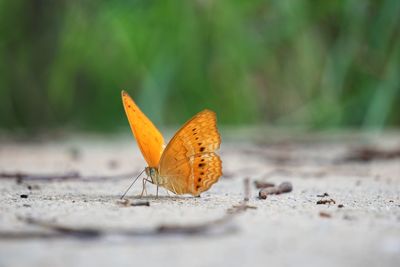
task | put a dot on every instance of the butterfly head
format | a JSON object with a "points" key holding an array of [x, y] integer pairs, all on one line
{"points": [[152, 173]]}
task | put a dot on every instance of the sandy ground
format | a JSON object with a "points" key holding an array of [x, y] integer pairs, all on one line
{"points": [[283, 230]]}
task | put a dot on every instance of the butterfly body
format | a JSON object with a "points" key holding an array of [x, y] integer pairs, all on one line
{"points": [[189, 163], [155, 178]]}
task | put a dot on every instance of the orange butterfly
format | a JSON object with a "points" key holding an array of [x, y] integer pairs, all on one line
{"points": [[188, 164]]}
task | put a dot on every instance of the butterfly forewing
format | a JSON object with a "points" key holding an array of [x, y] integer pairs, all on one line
{"points": [[148, 138], [189, 164]]}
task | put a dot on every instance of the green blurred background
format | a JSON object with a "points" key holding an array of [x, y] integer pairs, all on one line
{"points": [[282, 63]]}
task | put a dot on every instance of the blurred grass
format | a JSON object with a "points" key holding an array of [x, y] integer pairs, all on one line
{"points": [[311, 64]]}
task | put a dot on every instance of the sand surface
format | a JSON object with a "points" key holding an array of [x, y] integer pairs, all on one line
{"points": [[283, 230]]}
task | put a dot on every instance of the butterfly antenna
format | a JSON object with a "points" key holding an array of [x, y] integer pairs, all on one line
{"points": [[132, 184]]}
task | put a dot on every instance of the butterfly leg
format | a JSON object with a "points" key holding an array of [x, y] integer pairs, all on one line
{"points": [[143, 187], [144, 181], [157, 192]]}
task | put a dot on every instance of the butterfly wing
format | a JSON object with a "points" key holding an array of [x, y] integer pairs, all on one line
{"points": [[148, 138], [189, 164]]}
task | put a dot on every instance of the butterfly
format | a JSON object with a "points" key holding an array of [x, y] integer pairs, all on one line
{"points": [[189, 163]]}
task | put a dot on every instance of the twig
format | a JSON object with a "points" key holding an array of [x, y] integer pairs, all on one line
{"points": [[22, 176], [217, 226], [58, 230], [284, 187], [65, 230], [9, 235], [324, 214], [243, 206], [62, 231], [127, 203], [260, 184], [246, 189], [365, 154]]}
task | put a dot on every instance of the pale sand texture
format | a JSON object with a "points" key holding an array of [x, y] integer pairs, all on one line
{"points": [[284, 230]]}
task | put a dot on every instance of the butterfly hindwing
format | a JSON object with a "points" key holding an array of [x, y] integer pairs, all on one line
{"points": [[189, 163], [148, 137], [193, 176]]}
